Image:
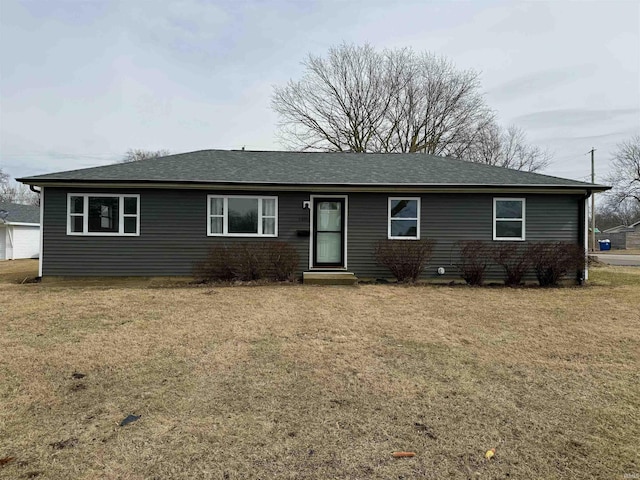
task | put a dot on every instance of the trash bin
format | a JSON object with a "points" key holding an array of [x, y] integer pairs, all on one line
{"points": [[604, 244]]}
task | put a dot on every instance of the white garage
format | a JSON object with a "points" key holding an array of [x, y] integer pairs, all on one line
{"points": [[19, 231]]}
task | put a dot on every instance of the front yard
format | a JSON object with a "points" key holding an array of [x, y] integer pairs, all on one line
{"points": [[319, 382]]}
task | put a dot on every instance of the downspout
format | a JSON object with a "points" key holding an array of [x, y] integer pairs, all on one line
{"points": [[31, 187], [41, 254], [584, 238]]}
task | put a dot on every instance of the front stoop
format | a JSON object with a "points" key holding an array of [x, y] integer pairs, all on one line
{"points": [[329, 278]]}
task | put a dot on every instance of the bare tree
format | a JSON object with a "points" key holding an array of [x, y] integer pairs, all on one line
{"points": [[134, 154], [625, 172], [338, 105], [13, 192], [612, 213], [4, 177], [626, 212], [508, 148], [358, 99]]}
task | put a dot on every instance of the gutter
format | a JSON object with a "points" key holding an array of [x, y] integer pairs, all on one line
{"points": [[317, 187], [21, 224]]}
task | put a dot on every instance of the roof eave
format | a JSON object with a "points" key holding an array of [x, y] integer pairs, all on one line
{"points": [[20, 224], [306, 186], [585, 189]]}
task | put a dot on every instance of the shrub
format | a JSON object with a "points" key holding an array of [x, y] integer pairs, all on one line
{"points": [[513, 260], [218, 266], [283, 260], [474, 255], [405, 259], [247, 262], [553, 260], [251, 261]]}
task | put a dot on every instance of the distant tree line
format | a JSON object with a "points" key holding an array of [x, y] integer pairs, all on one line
{"points": [[14, 192], [135, 154]]}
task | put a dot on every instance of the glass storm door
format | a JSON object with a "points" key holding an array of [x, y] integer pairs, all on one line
{"points": [[328, 232]]}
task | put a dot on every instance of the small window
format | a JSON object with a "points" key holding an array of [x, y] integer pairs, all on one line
{"points": [[404, 218], [103, 214], [238, 216], [508, 218]]}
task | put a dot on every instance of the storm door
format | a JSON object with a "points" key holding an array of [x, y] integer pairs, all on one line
{"points": [[328, 232]]}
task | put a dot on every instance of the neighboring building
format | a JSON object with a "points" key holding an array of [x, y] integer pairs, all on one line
{"points": [[622, 237], [633, 228], [160, 216], [19, 231]]}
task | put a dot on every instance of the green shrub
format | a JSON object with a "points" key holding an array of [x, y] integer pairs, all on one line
{"points": [[405, 259]]}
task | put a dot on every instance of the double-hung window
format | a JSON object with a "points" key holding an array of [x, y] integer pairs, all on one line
{"points": [[103, 214], [508, 218], [404, 218], [242, 216]]}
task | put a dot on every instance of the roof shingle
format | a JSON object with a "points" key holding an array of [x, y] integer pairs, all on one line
{"points": [[308, 168], [20, 213]]}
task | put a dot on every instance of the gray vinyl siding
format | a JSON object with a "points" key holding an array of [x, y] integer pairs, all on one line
{"points": [[449, 218], [173, 234], [173, 230]]}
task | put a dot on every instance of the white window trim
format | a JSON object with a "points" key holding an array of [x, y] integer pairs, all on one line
{"points": [[85, 215], [389, 219], [225, 216], [522, 220]]}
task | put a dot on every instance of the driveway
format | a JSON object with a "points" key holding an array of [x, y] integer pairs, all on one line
{"points": [[621, 260]]}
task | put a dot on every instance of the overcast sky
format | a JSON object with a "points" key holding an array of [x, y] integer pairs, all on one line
{"points": [[83, 81]]}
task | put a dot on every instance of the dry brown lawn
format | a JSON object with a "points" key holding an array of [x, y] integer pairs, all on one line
{"points": [[630, 251], [319, 382]]}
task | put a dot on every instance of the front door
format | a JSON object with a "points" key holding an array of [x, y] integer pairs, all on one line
{"points": [[328, 232]]}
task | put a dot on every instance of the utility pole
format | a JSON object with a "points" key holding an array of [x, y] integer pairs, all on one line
{"points": [[593, 202]]}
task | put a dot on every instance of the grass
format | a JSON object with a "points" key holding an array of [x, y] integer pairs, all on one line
{"points": [[319, 382], [16, 271], [630, 251]]}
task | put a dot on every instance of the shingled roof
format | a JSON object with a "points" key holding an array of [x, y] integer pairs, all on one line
{"points": [[17, 213], [308, 168]]}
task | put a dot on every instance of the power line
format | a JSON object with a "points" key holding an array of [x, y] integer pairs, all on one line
{"points": [[59, 154]]}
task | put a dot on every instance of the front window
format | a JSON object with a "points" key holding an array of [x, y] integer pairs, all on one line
{"points": [[508, 218], [242, 216], [103, 214], [404, 218]]}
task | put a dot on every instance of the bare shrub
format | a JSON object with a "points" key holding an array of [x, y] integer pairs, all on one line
{"points": [[474, 255], [217, 267], [251, 261], [283, 260], [554, 260], [248, 262], [514, 260], [405, 259]]}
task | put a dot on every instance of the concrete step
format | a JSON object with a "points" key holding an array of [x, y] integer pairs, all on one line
{"points": [[329, 278]]}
